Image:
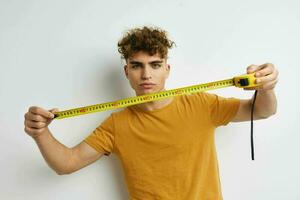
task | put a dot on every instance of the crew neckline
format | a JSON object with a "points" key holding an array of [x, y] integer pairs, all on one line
{"points": [[156, 110]]}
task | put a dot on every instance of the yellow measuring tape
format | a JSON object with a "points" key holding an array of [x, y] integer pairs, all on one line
{"points": [[242, 81]]}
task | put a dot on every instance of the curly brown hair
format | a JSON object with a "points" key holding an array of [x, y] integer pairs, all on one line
{"points": [[148, 39]]}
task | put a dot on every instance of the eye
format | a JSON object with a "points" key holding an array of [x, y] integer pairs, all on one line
{"points": [[157, 65]]}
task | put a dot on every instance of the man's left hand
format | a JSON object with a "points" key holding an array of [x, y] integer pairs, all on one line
{"points": [[266, 75]]}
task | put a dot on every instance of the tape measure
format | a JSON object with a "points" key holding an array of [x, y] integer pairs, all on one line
{"points": [[242, 81]]}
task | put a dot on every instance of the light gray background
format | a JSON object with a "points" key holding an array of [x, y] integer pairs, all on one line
{"points": [[64, 54]]}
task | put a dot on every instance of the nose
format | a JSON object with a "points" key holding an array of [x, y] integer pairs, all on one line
{"points": [[146, 73]]}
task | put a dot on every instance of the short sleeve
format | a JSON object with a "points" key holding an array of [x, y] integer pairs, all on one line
{"points": [[102, 138], [222, 109]]}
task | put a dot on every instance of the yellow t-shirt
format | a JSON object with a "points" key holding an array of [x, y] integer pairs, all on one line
{"points": [[168, 153]]}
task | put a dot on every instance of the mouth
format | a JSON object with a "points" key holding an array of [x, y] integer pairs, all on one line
{"points": [[147, 85]]}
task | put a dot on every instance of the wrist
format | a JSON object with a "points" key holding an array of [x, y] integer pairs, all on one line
{"points": [[270, 91], [44, 135], [266, 91]]}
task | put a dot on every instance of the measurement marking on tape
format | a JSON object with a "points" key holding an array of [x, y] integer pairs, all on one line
{"points": [[242, 81]]}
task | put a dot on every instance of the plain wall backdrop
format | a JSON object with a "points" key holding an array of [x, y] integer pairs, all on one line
{"points": [[64, 54]]}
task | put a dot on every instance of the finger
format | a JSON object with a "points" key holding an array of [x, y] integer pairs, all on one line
{"points": [[251, 68], [32, 124], [54, 110], [32, 130], [33, 117], [265, 79], [269, 85], [41, 111], [266, 70], [256, 68]]}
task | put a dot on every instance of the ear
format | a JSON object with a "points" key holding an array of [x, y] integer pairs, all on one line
{"points": [[168, 70], [125, 71], [168, 67]]}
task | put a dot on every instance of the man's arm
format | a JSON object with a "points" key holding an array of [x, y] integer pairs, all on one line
{"points": [[61, 159], [266, 103], [265, 106], [64, 160]]}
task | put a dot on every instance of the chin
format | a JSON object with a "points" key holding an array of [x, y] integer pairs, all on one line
{"points": [[142, 92]]}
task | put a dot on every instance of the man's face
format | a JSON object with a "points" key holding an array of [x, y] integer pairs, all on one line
{"points": [[143, 68]]}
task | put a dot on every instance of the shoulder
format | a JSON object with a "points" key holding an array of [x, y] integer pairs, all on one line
{"points": [[202, 97]]}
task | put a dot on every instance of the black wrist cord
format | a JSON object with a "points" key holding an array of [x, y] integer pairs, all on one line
{"points": [[252, 110]]}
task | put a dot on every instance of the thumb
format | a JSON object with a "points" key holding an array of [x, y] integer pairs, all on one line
{"points": [[252, 68], [54, 110]]}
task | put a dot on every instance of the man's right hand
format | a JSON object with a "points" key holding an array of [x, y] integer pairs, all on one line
{"points": [[37, 120], [62, 159]]}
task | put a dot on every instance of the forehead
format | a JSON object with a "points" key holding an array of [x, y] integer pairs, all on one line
{"points": [[144, 57]]}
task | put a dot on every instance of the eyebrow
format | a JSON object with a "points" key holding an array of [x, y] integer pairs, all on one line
{"points": [[155, 61]]}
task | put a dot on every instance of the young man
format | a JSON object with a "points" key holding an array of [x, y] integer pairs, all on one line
{"points": [[166, 147]]}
